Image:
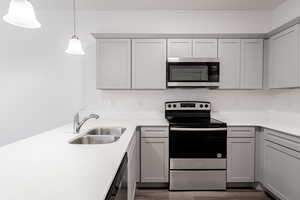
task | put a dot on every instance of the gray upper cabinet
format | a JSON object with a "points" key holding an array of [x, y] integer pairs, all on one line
{"points": [[283, 66], [230, 60], [200, 48], [180, 48], [205, 48], [252, 64], [149, 64], [141, 63], [113, 64]]}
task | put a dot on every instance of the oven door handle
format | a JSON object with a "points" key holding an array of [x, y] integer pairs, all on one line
{"points": [[197, 129]]}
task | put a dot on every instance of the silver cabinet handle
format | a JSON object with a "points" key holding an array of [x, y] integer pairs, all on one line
{"points": [[198, 129]]}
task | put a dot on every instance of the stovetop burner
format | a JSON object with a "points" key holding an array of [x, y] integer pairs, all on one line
{"points": [[196, 115]]}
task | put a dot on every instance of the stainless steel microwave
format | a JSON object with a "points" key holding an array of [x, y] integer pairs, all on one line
{"points": [[193, 72]]}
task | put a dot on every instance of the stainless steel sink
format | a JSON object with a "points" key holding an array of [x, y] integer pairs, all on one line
{"points": [[103, 135], [95, 139], [114, 131]]}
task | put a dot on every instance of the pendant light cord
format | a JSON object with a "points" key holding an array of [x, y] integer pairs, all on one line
{"points": [[74, 16]]}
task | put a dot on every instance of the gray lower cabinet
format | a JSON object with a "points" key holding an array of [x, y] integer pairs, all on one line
{"points": [[154, 155], [282, 165], [240, 154], [133, 165], [259, 156]]}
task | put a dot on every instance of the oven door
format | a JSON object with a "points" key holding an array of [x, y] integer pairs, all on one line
{"points": [[188, 142], [193, 74]]}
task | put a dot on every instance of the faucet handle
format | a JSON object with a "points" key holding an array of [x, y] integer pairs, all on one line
{"points": [[75, 122], [94, 116]]}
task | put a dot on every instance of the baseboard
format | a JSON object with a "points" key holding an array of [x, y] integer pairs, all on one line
{"points": [[152, 185], [269, 193], [240, 185]]}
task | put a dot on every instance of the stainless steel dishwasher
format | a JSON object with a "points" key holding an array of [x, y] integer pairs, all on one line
{"points": [[118, 189]]}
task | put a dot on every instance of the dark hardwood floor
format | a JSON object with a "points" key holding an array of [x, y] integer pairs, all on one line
{"points": [[232, 194]]}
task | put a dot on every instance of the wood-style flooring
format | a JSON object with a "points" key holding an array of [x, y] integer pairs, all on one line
{"points": [[232, 194]]}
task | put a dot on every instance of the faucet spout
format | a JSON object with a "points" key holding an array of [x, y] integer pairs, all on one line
{"points": [[77, 124]]}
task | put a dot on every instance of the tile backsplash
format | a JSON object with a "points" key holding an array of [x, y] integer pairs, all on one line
{"points": [[222, 100]]}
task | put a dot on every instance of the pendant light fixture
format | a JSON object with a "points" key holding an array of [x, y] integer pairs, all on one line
{"points": [[21, 13], [75, 47]]}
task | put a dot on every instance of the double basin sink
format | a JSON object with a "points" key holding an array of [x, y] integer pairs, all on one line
{"points": [[100, 136]]}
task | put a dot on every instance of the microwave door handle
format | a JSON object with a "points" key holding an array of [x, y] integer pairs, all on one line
{"points": [[197, 129]]}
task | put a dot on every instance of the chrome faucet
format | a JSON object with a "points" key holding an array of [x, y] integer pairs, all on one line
{"points": [[77, 124]]}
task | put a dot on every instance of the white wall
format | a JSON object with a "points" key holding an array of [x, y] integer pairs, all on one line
{"points": [[40, 85], [285, 12]]}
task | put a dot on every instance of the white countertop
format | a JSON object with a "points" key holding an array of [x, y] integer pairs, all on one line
{"points": [[47, 167], [279, 121]]}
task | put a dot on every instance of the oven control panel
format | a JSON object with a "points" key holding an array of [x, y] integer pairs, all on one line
{"points": [[188, 105]]}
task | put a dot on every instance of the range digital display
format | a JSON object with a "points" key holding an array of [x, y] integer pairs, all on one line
{"points": [[187, 105]]}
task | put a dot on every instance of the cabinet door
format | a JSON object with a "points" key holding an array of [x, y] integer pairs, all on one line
{"points": [[113, 64], [259, 156], [252, 64], [281, 173], [240, 160], [230, 62], [154, 160], [205, 48], [180, 48], [267, 63], [132, 167], [149, 64], [283, 71]]}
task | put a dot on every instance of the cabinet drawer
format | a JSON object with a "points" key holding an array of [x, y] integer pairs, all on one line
{"points": [[155, 132], [241, 132], [283, 140], [198, 180]]}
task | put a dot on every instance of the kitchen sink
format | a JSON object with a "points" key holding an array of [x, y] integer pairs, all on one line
{"points": [[95, 139], [103, 135], [113, 131]]}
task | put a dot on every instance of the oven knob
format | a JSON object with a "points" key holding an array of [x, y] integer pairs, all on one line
{"points": [[206, 105], [201, 105], [169, 106], [174, 105]]}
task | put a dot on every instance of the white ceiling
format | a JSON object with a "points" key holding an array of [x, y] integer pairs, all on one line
{"points": [[154, 4]]}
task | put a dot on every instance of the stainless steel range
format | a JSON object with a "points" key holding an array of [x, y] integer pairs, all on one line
{"points": [[197, 147]]}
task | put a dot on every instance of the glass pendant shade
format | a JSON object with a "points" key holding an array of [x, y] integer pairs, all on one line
{"points": [[21, 13], [75, 47]]}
